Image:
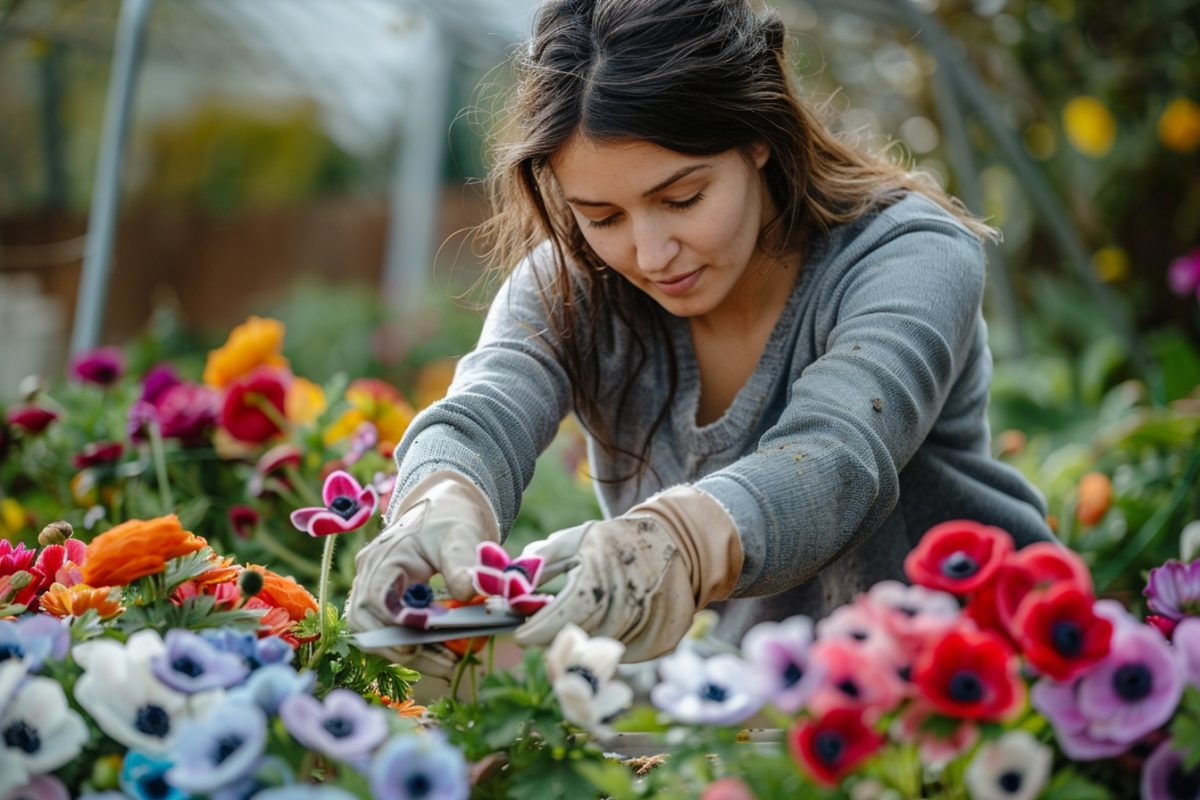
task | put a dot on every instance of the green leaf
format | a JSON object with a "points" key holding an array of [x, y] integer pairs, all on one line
{"points": [[1070, 785], [191, 512], [610, 779]]}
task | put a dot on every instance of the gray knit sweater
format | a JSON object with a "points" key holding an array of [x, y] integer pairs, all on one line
{"points": [[863, 424]]}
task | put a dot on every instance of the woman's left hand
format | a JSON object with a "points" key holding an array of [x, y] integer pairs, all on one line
{"points": [[641, 577]]}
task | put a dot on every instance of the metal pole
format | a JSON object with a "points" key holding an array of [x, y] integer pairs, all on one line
{"points": [[106, 193], [417, 182]]}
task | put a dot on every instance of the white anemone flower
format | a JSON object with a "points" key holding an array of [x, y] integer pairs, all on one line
{"points": [[40, 729], [705, 691], [124, 697], [581, 670], [1014, 767]]}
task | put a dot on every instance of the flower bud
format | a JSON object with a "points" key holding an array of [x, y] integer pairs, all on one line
{"points": [[56, 532], [20, 579], [30, 387], [250, 582]]}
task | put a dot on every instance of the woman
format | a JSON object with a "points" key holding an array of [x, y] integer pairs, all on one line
{"points": [[773, 340]]}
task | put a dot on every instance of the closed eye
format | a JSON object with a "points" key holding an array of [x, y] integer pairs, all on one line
{"points": [[676, 205]]}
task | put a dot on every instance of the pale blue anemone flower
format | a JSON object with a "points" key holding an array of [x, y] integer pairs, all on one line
{"points": [[419, 767], [270, 685], [344, 726], [192, 664], [218, 750]]}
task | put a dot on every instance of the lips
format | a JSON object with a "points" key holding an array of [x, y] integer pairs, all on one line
{"points": [[680, 284]]}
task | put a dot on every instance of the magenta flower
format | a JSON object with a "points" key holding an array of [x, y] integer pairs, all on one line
{"points": [[157, 381], [513, 579], [1164, 776], [243, 520], [1187, 642], [1183, 276], [1133, 691], [31, 419], [187, 410], [97, 453], [274, 460], [103, 366], [1174, 589], [348, 506]]}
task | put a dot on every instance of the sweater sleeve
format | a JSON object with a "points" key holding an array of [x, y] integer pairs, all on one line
{"points": [[902, 317], [503, 407]]}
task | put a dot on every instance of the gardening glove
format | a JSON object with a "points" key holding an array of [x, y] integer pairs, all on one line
{"points": [[437, 527], [640, 577]]}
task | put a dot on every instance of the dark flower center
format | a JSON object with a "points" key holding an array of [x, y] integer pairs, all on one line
{"points": [[154, 786], [1132, 682], [959, 565], [1010, 781], [187, 666], [344, 507], [153, 721], [227, 746], [1067, 638], [22, 736], [418, 595], [338, 727], [792, 675], [848, 687], [418, 785], [828, 747], [1183, 785], [905, 673], [11, 650], [714, 693], [588, 676], [859, 636], [907, 611], [965, 687], [520, 569]]}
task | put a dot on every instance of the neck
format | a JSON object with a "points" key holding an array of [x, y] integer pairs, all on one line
{"points": [[757, 300]]}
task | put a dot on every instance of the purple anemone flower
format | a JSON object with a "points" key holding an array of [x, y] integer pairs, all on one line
{"points": [[160, 378], [218, 750], [192, 664], [1133, 691], [781, 669], [1183, 274], [699, 691], [269, 686], [416, 767], [345, 726], [34, 639], [1187, 641], [1173, 589], [102, 366], [348, 506], [1165, 778], [254, 652]]}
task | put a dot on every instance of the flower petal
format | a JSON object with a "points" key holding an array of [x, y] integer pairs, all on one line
{"points": [[492, 555], [328, 523], [528, 604], [489, 581], [301, 517], [339, 484]]}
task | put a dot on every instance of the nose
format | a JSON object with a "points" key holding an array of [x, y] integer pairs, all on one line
{"points": [[654, 245]]}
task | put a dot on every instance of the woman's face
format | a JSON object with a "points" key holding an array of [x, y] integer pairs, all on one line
{"points": [[684, 229]]}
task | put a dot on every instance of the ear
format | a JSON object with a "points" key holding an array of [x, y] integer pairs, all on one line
{"points": [[760, 154]]}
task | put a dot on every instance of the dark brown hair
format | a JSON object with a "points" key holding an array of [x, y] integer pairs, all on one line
{"points": [[699, 77]]}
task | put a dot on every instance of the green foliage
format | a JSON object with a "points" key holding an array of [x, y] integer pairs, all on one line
{"points": [[1185, 728]]}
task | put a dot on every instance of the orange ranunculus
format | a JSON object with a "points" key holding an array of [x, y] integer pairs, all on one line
{"points": [[1179, 125], [463, 646], [376, 402], [222, 570], [1095, 496], [405, 708], [72, 601], [285, 593], [135, 549], [257, 342]]}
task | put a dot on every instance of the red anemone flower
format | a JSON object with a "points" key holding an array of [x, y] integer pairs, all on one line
{"points": [[242, 412], [1059, 632], [31, 419], [243, 520], [97, 453], [1032, 570], [831, 746], [971, 674], [958, 556]]}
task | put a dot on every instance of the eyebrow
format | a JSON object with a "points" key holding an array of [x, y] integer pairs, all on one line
{"points": [[658, 187]]}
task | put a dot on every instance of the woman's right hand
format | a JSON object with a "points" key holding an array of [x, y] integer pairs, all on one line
{"points": [[438, 526]]}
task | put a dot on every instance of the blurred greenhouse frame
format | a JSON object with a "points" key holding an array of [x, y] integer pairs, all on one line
{"points": [[229, 153]]}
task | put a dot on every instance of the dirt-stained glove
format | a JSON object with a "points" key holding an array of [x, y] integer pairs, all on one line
{"points": [[437, 527], [640, 577]]}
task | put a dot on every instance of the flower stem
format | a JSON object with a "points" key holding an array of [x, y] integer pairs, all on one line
{"points": [[458, 674], [307, 493], [323, 596], [160, 467]]}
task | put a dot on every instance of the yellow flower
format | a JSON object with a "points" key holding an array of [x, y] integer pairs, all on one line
{"points": [[433, 380], [1111, 264], [256, 342], [376, 402], [12, 518], [304, 402], [1179, 126], [1090, 126]]}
